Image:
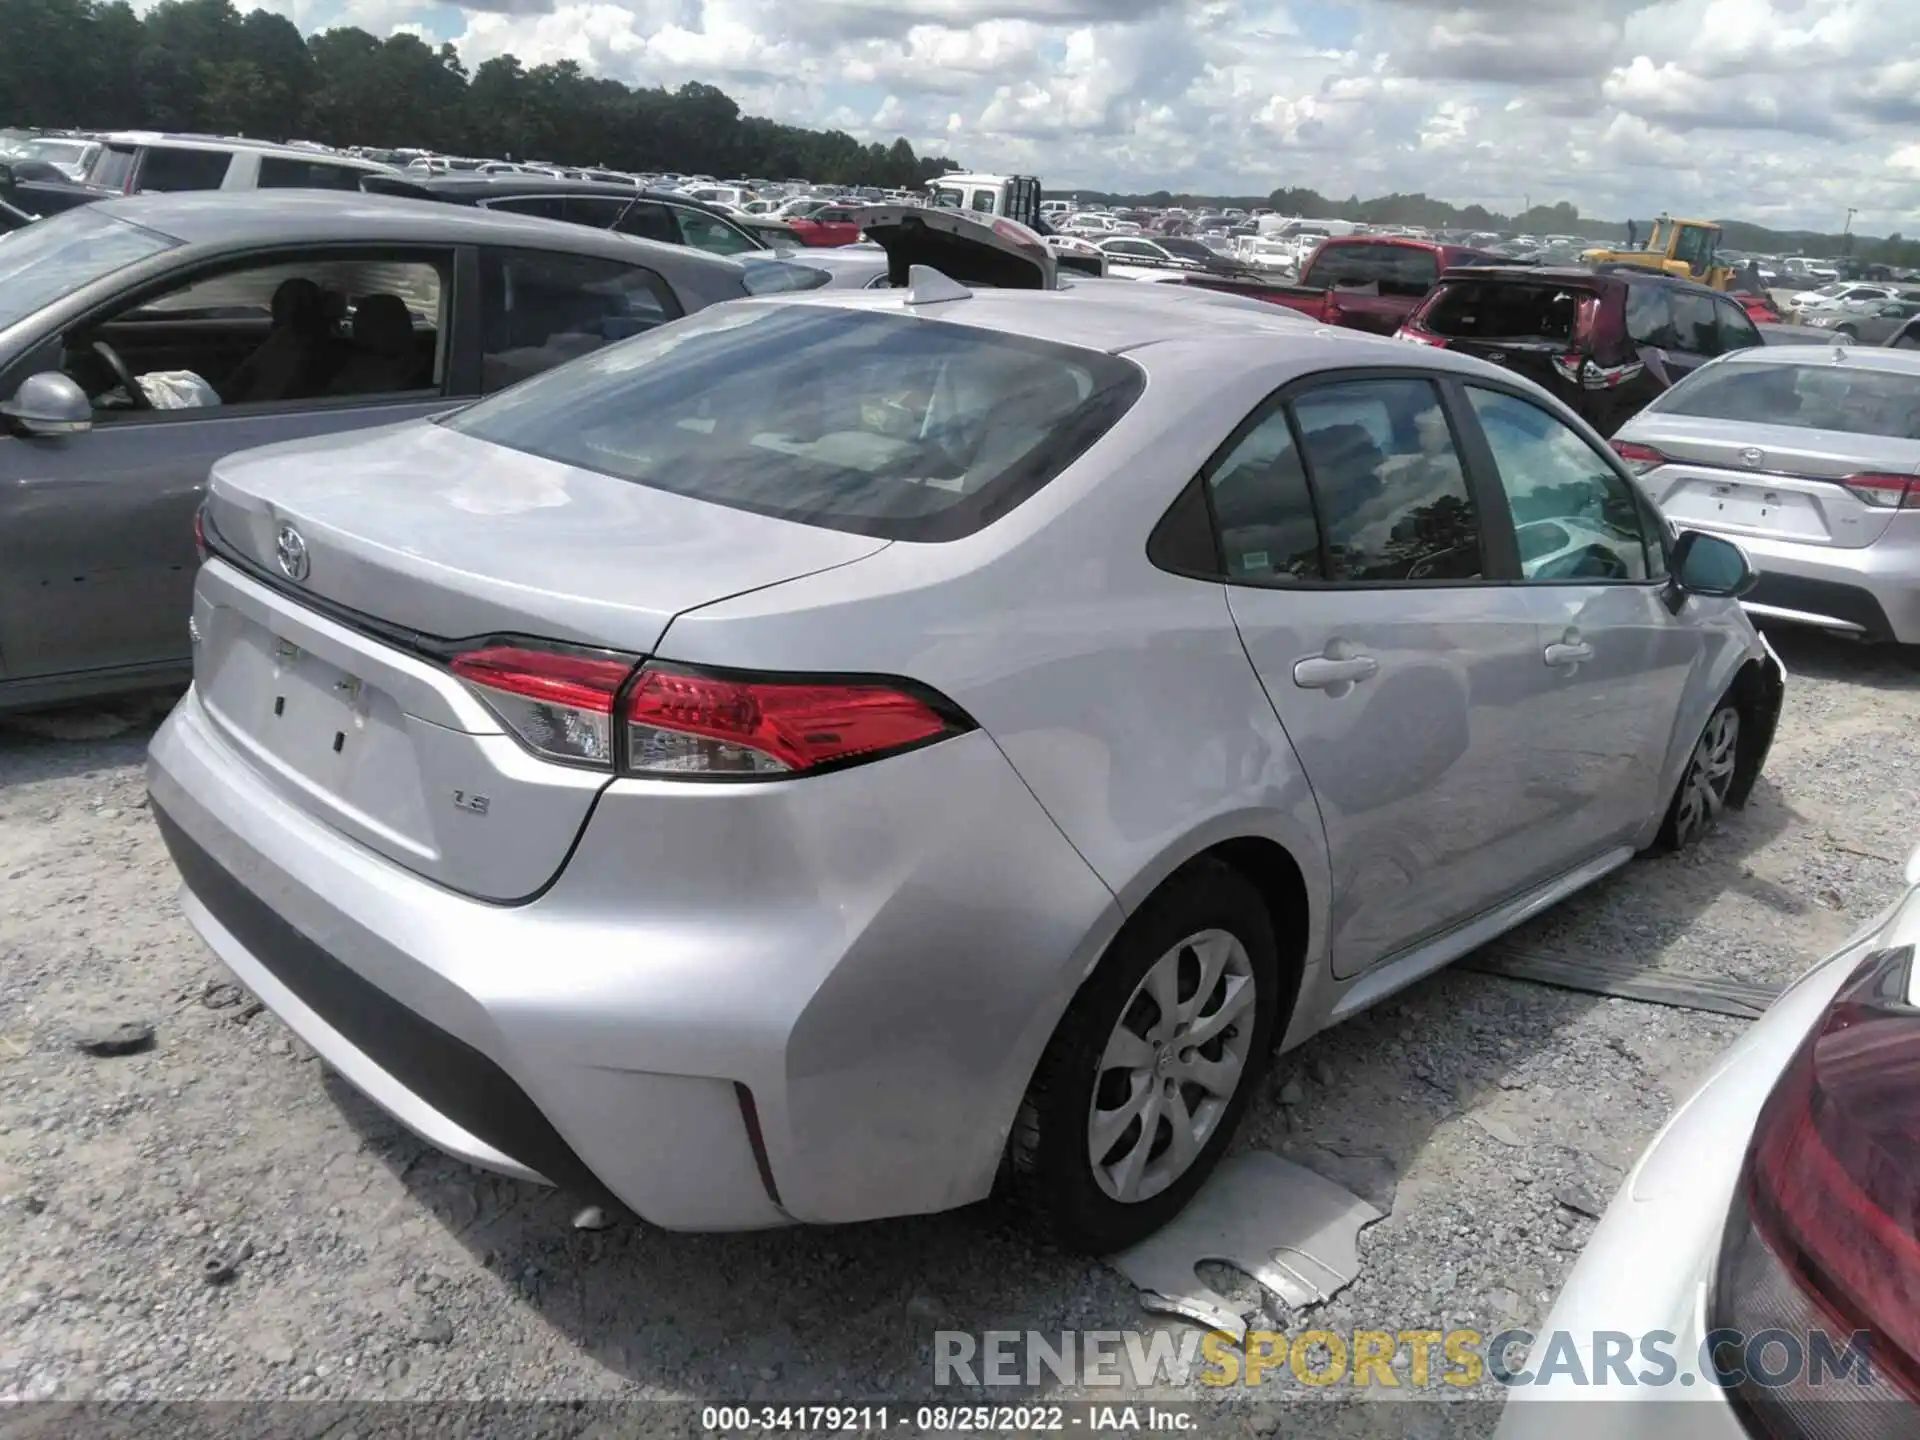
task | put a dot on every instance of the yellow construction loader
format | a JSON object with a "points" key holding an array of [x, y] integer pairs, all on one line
{"points": [[1682, 248]]}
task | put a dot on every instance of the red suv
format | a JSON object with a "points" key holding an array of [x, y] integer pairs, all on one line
{"points": [[1606, 343]]}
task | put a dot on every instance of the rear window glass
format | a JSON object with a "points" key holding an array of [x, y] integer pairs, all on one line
{"points": [[1495, 310], [879, 424], [1396, 269], [164, 168], [1846, 398], [282, 174]]}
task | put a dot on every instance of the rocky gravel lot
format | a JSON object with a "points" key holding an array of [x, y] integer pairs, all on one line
{"points": [[1484, 1113]]}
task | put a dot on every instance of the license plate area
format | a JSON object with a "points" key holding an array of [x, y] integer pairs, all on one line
{"points": [[1766, 509], [316, 714], [342, 741]]}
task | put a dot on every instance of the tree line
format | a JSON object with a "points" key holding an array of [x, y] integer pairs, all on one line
{"points": [[200, 65]]}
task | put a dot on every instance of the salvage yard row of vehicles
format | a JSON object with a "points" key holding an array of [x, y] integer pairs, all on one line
{"points": [[957, 716]]}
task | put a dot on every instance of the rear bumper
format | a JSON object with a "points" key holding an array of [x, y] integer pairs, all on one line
{"points": [[1873, 592], [871, 961]]}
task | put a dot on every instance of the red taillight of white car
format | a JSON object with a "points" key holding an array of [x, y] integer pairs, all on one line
{"points": [[1824, 1241], [558, 703], [1640, 458], [683, 722], [1886, 492]]}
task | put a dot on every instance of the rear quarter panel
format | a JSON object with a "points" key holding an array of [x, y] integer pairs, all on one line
{"points": [[1120, 694]]}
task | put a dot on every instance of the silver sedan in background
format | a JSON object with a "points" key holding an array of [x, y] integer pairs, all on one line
{"points": [[843, 750], [1810, 459]]}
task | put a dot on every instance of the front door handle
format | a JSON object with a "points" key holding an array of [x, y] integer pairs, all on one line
{"points": [[1329, 672], [1568, 652]]}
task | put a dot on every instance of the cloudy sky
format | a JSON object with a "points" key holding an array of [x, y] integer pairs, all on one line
{"points": [[1780, 111]]}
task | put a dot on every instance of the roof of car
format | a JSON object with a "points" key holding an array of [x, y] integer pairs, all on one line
{"points": [[1817, 352], [241, 218], [1574, 275], [468, 184], [1124, 317], [509, 183], [236, 142]]}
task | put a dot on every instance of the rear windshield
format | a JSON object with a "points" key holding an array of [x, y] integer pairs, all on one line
{"points": [[1846, 398], [1503, 310], [54, 257], [880, 424]]}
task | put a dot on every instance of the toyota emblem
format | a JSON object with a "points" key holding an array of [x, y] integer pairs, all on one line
{"points": [[1753, 459], [291, 551]]}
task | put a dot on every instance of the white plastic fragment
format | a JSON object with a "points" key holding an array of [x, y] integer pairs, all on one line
{"points": [[1295, 1232]]}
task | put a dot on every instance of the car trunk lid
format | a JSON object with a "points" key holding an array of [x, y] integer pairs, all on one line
{"points": [[1776, 482], [442, 533], [361, 567], [990, 251]]}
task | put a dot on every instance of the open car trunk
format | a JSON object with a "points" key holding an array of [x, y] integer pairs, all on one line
{"points": [[989, 251]]}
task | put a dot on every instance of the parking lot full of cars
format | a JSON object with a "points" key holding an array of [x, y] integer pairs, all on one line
{"points": [[757, 710]]}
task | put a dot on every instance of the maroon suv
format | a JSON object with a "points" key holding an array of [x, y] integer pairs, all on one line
{"points": [[1605, 342]]}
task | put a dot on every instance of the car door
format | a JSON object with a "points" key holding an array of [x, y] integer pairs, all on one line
{"points": [[1405, 675], [1736, 327], [1695, 331], [1614, 657], [541, 308], [97, 555]]}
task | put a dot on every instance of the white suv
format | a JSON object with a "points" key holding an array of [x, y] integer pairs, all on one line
{"points": [[137, 160]]}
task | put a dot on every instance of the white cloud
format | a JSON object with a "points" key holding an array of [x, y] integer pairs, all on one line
{"points": [[1782, 111]]}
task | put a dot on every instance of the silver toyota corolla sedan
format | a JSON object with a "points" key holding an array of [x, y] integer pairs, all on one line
{"points": [[1809, 458], [840, 751]]}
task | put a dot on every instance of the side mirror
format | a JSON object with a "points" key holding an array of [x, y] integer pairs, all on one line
{"points": [[49, 404], [1708, 565]]}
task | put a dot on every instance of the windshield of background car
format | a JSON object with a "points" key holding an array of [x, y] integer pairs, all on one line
{"points": [[57, 256], [1850, 399], [879, 424]]}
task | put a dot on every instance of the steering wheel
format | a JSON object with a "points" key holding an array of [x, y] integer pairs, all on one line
{"points": [[135, 395]]}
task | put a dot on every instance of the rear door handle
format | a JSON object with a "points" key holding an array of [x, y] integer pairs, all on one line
{"points": [[1323, 672], [1568, 653]]}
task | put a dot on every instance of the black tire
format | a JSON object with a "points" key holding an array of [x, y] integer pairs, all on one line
{"points": [[1847, 330], [1684, 825], [1050, 1172]]}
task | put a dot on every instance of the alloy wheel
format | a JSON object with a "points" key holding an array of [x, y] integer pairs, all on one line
{"points": [[1171, 1066], [1703, 791]]}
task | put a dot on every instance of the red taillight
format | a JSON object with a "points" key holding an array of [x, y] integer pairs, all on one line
{"points": [[200, 533], [1886, 492], [1640, 458], [559, 704], [1824, 1239], [1329, 308], [688, 723]]}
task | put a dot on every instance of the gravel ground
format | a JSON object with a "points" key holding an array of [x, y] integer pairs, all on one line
{"points": [[1483, 1113]]}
